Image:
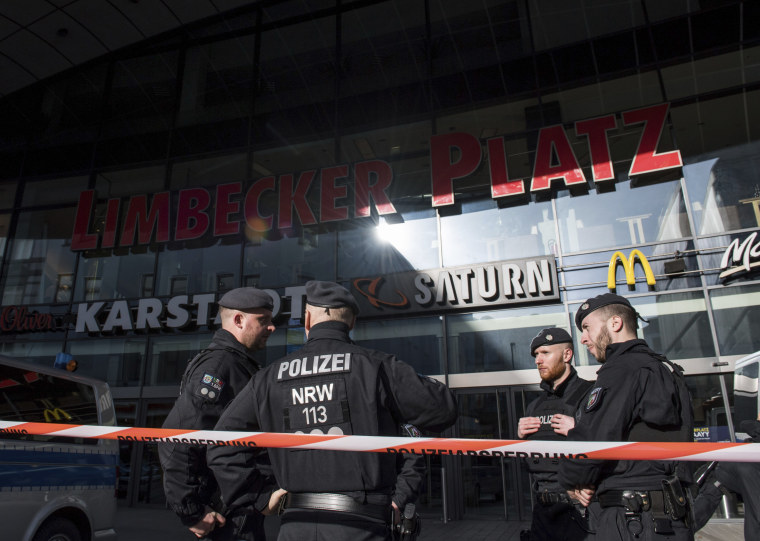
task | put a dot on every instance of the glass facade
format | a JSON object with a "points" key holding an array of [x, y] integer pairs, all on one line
{"points": [[304, 140]]}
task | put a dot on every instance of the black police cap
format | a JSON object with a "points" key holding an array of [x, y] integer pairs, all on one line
{"points": [[594, 303], [548, 337], [246, 298], [329, 295]]}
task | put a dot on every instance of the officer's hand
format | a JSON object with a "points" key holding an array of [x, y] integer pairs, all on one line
{"points": [[207, 524], [582, 495], [396, 513], [562, 424], [527, 425], [274, 502]]}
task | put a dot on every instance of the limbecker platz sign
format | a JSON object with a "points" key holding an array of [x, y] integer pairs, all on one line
{"points": [[351, 191]]}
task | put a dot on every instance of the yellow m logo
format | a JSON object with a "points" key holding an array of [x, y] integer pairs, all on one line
{"points": [[628, 263], [56, 415]]}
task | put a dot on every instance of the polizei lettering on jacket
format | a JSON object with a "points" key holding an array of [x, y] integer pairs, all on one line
{"points": [[314, 366]]}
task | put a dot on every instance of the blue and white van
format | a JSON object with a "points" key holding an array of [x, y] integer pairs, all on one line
{"points": [[55, 488]]}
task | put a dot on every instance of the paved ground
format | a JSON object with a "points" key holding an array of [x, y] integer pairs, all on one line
{"points": [[150, 524]]}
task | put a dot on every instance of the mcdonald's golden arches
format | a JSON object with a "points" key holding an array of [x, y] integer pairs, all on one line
{"points": [[628, 263]]}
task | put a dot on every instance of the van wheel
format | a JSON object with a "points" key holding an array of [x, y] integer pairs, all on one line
{"points": [[58, 529]]}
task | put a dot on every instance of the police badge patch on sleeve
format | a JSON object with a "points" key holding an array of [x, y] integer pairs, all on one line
{"points": [[212, 381], [594, 399]]}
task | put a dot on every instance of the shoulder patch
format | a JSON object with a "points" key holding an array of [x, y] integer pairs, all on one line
{"points": [[594, 398], [212, 381]]}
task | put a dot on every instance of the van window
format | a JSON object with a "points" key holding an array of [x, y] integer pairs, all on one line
{"points": [[30, 396]]}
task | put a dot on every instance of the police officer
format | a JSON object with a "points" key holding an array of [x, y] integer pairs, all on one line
{"points": [[330, 386], [211, 380], [550, 417], [638, 396]]}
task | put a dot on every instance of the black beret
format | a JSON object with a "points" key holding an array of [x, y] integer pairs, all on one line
{"points": [[552, 335], [594, 303], [329, 295], [246, 298]]}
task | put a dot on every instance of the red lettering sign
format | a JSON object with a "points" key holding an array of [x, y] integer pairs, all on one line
{"points": [[444, 169], [647, 159], [18, 319], [596, 130], [553, 141], [192, 220], [365, 189]]}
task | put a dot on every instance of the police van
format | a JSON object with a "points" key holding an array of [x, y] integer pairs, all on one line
{"points": [[55, 488]]}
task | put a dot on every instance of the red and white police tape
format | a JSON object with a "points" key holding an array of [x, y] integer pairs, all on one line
{"points": [[604, 450]]}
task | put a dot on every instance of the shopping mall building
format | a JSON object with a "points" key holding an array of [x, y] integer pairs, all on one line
{"points": [[473, 171]]}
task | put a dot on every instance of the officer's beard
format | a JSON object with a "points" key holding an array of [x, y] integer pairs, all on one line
{"points": [[600, 344], [553, 374]]}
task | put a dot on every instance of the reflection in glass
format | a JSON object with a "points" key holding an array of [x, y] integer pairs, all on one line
{"points": [[723, 193], [115, 361], [495, 341], [389, 247], [489, 233], [39, 253], [416, 341], [746, 398], [194, 270], [143, 180], [482, 476], [623, 217], [55, 191], [737, 319], [113, 277], [710, 419], [290, 261], [33, 351], [169, 356]]}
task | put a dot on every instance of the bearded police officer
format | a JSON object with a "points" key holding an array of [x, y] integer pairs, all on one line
{"points": [[638, 396], [211, 380], [330, 386], [549, 417]]}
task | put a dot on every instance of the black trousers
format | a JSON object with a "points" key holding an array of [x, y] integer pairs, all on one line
{"points": [[612, 524], [559, 521], [313, 525]]}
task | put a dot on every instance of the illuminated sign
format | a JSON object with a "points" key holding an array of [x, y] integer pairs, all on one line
{"points": [[458, 288], [740, 258], [360, 190], [628, 264]]}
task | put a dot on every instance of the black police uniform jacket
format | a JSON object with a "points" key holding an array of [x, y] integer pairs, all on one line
{"points": [[636, 397], [330, 386], [564, 399], [211, 381]]}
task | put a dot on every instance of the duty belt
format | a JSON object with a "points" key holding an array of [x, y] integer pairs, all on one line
{"points": [[551, 498], [325, 501], [634, 501]]}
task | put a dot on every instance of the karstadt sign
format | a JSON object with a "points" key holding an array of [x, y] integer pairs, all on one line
{"points": [[353, 191]]}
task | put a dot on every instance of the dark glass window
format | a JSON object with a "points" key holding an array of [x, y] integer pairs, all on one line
{"points": [[33, 397]]}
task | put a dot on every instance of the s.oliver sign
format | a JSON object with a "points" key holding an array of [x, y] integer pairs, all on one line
{"points": [[351, 191]]}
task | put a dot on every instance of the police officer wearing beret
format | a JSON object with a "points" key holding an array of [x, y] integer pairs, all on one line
{"points": [[549, 417], [330, 386], [638, 396], [211, 380]]}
